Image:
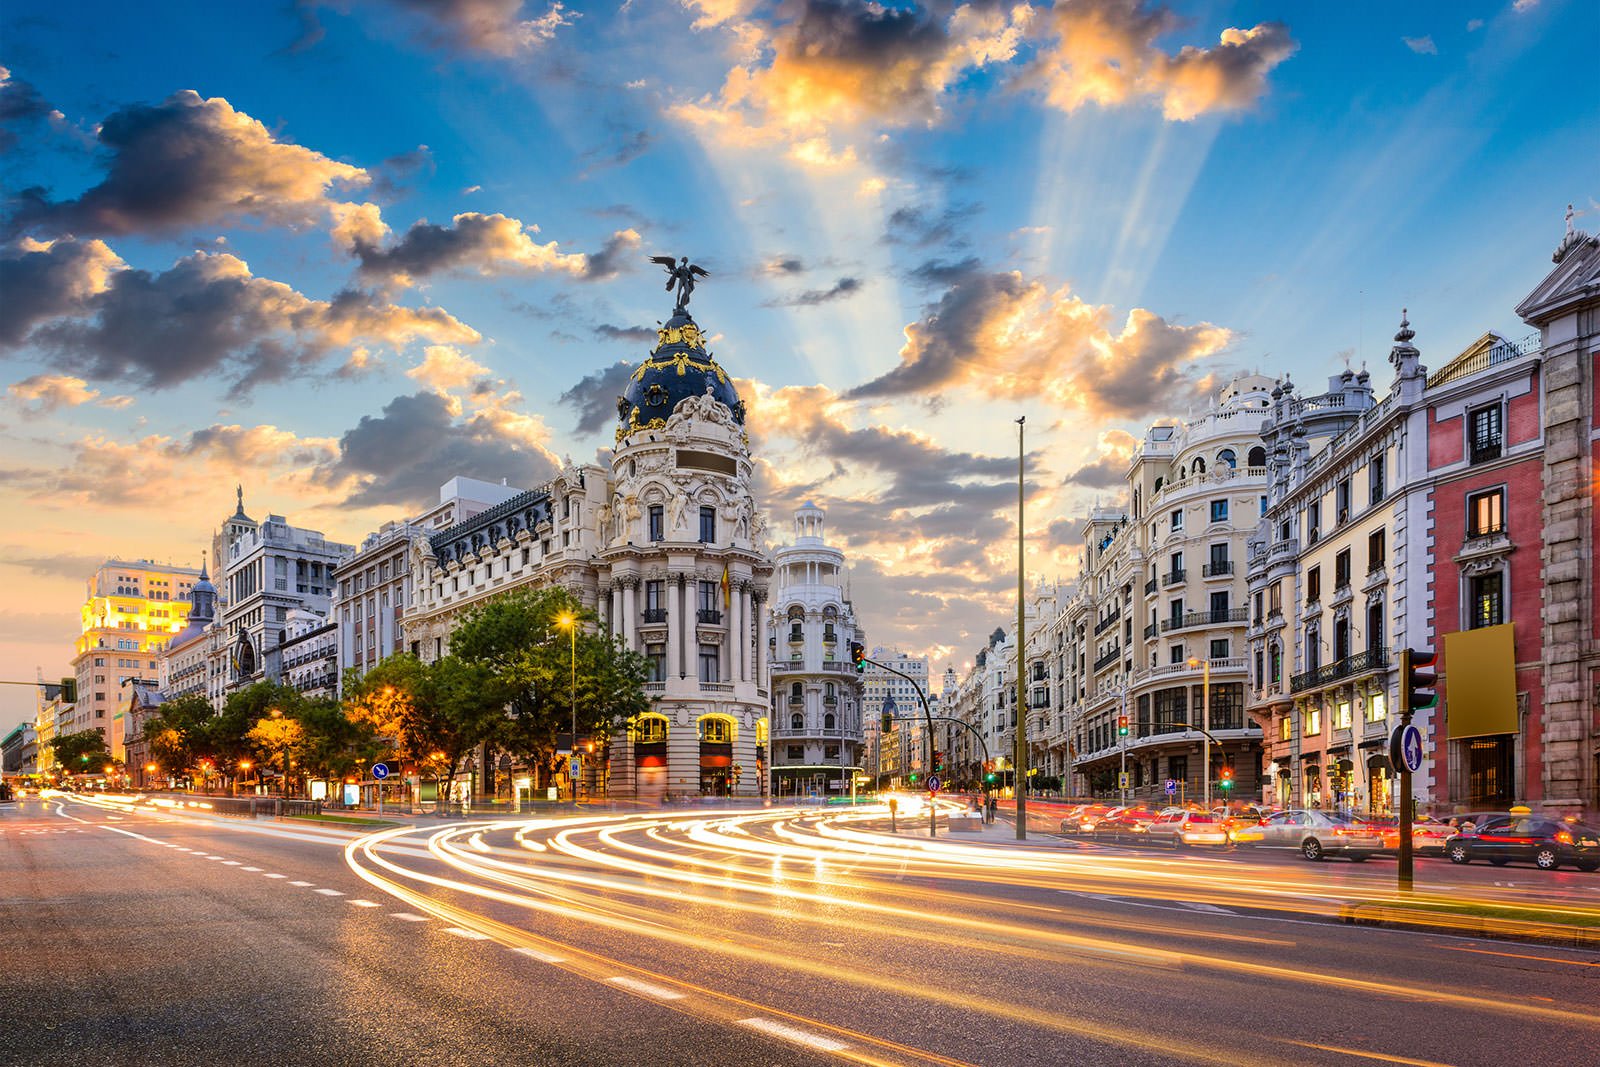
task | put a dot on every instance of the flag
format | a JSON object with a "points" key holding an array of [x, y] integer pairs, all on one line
{"points": [[727, 589]]}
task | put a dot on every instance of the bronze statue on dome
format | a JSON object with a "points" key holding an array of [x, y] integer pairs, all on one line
{"points": [[681, 275]]}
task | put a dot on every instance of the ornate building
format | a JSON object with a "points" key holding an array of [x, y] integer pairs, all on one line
{"points": [[817, 724], [664, 544]]}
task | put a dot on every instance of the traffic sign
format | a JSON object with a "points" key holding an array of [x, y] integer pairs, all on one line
{"points": [[1172, 787], [934, 783], [1122, 780], [1405, 747], [576, 768], [380, 771]]}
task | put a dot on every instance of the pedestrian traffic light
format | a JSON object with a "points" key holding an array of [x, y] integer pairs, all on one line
{"points": [[858, 656], [1417, 680], [1122, 726], [1227, 778], [888, 721]]}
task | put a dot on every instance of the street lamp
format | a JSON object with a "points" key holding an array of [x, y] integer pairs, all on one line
{"points": [[1205, 719], [569, 622]]}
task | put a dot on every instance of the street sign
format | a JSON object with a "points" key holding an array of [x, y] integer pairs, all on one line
{"points": [[1405, 747], [576, 767], [1172, 787], [934, 783], [380, 771], [1122, 780]]}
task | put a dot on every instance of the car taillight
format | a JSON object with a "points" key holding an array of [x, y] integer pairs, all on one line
{"points": [[1564, 837]]}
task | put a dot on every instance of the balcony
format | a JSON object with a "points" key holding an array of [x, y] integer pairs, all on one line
{"points": [[1373, 659], [1219, 568], [710, 615], [1222, 617], [653, 616], [1484, 451], [1283, 549], [1150, 631], [1150, 587], [1109, 658], [1174, 577], [1106, 623]]}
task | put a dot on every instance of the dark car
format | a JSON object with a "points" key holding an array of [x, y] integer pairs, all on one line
{"points": [[1546, 843]]}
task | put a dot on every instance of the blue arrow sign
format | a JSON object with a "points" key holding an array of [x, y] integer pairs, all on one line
{"points": [[380, 771]]}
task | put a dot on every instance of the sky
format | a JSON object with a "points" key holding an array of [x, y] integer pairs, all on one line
{"points": [[338, 252]]}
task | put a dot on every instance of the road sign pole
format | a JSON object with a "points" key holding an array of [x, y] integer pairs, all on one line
{"points": [[1406, 874]]}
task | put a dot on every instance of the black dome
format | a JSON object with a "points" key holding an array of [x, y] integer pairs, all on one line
{"points": [[677, 369]]}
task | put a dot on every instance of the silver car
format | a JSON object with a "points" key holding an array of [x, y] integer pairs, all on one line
{"points": [[1314, 834]]}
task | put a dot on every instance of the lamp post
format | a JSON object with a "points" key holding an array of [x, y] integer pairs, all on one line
{"points": [[1205, 718], [569, 622]]}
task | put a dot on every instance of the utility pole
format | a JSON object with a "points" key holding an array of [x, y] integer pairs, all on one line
{"points": [[1019, 756]]}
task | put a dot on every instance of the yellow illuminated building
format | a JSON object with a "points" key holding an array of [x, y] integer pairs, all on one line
{"points": [[131, 610]]}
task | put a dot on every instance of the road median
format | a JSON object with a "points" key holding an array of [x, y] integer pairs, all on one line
{"points": [[1576, 928]]}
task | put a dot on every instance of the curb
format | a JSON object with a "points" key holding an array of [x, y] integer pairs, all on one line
{"points": [[1481, 926]]}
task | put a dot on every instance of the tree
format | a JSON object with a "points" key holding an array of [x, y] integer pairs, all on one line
{"points": [[278, 737], [552, 669], [83, 752], [333, 745], [176, 731]]}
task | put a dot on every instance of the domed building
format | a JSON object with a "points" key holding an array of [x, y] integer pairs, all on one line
{"points": [[664, 544]]}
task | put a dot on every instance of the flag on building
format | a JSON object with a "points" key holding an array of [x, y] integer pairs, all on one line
{"points": [[727, 589]]}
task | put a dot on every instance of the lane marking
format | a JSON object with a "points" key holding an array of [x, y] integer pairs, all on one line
{"points": [[328, 892], [366, 903], [543, 957], [1519, 956], [1384, 1056], [406, 916], [274, 876], [230, 863], [470, 935], [302, 885], [649, 989], [791, 1033], [252, 870], [1198, 906]]}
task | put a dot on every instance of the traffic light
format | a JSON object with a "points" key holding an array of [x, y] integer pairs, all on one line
{"points": [[913, 777], [888, 721], [1122, 726], [991, 778], [938, 762], [858, 656], [69, 690], [1227, 779], [1417, 680]]}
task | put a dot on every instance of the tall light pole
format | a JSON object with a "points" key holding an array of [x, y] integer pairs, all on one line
{"points": [[569, 622], [1019, 749], [1205, 719]]}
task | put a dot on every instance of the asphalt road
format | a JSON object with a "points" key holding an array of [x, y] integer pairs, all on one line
{"points": [[133, 937]]}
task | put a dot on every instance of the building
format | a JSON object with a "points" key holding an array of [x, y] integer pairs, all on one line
{"points": [[194, 661], [663, 542], [882, 691], [308, 659], [817, 696], [18, 750], [374, 583], [272, 568], [130, 611]]}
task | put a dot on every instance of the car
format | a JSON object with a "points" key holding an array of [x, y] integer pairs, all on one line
{"points": [[1428, 834], [1314, 834], [1125, 824], [1181, 829], [1246, 821], [1082, 819], [1545, 842]]}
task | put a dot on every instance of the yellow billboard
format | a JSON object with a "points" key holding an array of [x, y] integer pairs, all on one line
{"points": [[1480, 682]]}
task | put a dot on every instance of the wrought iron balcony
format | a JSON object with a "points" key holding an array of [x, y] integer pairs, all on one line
{"points": [[653, 616], [1106, 623], [1150, 587], [1108, 659], [710, 615], [1222, 617], [1372, 659], [1217, 568]]}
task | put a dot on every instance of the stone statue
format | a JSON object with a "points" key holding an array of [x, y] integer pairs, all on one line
{"points": [[602, 517], [682, 275], [678, 514]]}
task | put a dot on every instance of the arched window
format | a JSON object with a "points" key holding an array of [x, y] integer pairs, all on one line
{"points": [[650, 729], [716, 730], [829, 722], [797, 690], [1257, 457], [827, 690], [1159, 482], [1228, 458], [797, 721]]}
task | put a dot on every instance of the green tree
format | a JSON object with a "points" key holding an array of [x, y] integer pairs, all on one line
{"points": [[83, 752], [333, 745], [176, 731]]}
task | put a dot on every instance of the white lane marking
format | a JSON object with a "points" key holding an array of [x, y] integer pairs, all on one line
{"points": [[302, 885], [274, 876], [328, 892], [230, 863], [649, 989], [544, 957], [406, 916], [252, 870], [1198, 906], [366, 903], [213, 857], [791, 1033], [470, 935]]}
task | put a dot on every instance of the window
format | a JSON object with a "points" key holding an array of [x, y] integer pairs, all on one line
{"points": [[1275, 598], [1283, 531], [1375, 551], [1488, 607], [1176, 654], [1219, 511], [716, 730], [708, 525], [1260, 673], [653, 600], [830, 722], [797, 721], [1486, 431], [1219, 605], [1341, 569], [1255, 618], [1486, 513], [652, 729], [1285, 728], [1313, 521], [830, 752], [708, 600], [1342, 500], [99, 661], [709, 664], [657, 656], [657, 521], [1313, 585], [1263, 504], [1228, 458], [1377, 707], [1219, 648], [1177, 519], [1313, 720], [796, 753], [1375, 487], [1275, 662]]}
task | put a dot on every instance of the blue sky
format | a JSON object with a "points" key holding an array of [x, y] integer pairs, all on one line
{"points": [[341, 252]]}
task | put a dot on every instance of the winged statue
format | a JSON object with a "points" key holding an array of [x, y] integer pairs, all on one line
{"points": [[681, 275]]}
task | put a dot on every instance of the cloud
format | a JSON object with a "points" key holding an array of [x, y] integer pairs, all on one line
{"points": [[1110, 467], [482, 244], [191, 162], [780, 265], [615, 257], [20, 105], [632, 147], [207, 315], [922, 227], [826, 65], [936, 272], [1104, 52], [44, 394], [1009, 337], [639, 334], [492, 27], [1423, 46], [1474, 25], [402, 456], [1522, 7], [595, 397], [59, 565], [444, 369], [394, 176], [840, 289]]}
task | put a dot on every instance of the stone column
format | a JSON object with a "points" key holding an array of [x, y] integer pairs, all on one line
{"points": [[630, 613], [761, 680]]}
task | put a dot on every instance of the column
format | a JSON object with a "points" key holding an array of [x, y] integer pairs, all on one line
{"points": [[730, 641], [761, 678], [630, 614], [685, 626]]}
